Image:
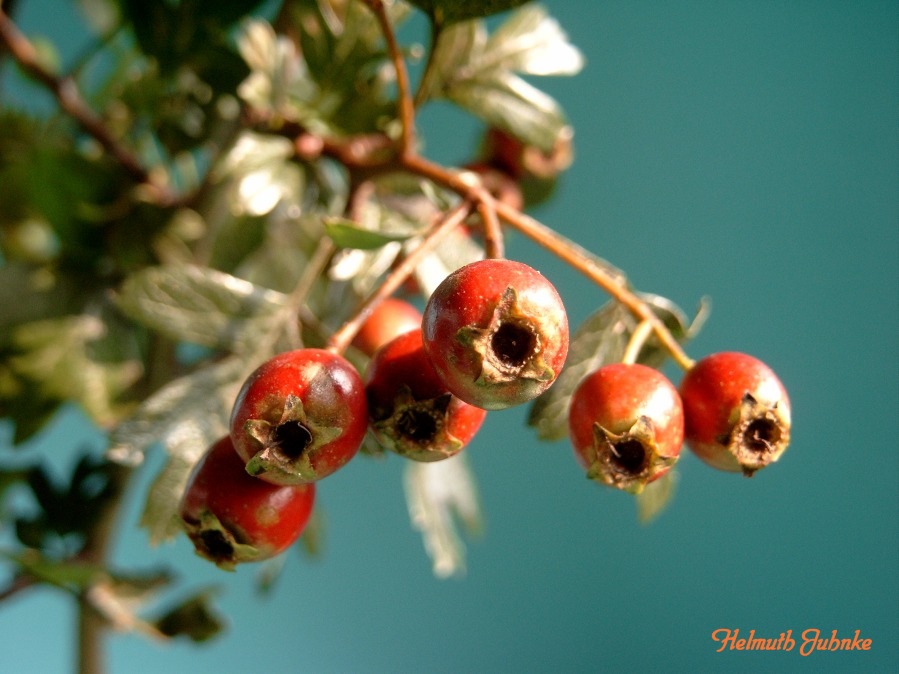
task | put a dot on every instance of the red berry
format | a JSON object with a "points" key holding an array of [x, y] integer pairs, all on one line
{"points": [[496, 332], [411, 411], [231, 517], [627, 425], [737, 412], [299, 417], [390, 318]]}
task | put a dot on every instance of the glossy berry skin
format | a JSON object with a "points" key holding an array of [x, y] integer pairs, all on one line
{"points": [[231, 517], [299, 417], [390, 318], [411, 411], [626, 424], [737, 412], [497, 333]]}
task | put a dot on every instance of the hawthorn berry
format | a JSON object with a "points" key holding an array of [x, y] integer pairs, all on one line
{"points": [[737, 412], [496, 331], [231, 517], [411, 411], [627, 425], [390, 318], [299, 417]]}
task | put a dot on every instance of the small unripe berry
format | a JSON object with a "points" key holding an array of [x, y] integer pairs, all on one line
{"points": [[497, 333], [737, 412], [231, 517], [411, 411], [392, 317], [627, 425], [299, 417]]}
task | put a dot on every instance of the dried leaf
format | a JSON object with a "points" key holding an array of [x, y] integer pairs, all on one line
{"points": [[656, 496], [437, 494]]}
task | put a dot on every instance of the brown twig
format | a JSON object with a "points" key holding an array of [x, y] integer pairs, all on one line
{"points": [[405, 101], [71, 102], [342, 338]]}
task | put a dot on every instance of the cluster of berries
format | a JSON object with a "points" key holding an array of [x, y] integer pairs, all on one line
{"points": [[494, 334]]}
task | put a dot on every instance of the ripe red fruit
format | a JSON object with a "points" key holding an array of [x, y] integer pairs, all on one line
{"points": [[627, 425], [410, 409], [390, 318], [737, 412], [231, 517], [496, 332], [299, 417]]}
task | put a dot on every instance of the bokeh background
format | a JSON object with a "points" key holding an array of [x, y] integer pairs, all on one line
{"points": [[744, 151]]}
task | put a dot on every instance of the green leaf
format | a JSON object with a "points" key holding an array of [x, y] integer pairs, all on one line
{"points": [[437, 494], [195, 618], [66, 574], [656, 496], [200, 305], [59, 357], [674, 318], [452, 11], [478, 72], [601, 339], [347, 234]]}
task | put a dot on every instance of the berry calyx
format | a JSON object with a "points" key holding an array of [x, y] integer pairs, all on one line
{"points": [[299, 417], [496, 331], [627, 425], [737, 412], [231, 517], [392, 317], [410, 409]]}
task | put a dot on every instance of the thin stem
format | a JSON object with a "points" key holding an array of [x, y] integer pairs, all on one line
{"points": [[405, 102], [493, 232], [574, 256], [566, 250], [342, 338], [70, 101], [636, 342]]}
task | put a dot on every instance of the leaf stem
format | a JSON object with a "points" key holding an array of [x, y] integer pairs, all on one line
{"points": [[342, 338], [405, 101]]}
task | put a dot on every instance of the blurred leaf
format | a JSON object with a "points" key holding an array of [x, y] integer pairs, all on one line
{"points": [[66, 509], [436, 494], [60, 358], [200, 305], [451, 11], [185, 416], [259, 174], [601, 339], [674, 318], [478, 72], [195, 618], [347, 234], [656, 496], [279, 82], [66, 574]]}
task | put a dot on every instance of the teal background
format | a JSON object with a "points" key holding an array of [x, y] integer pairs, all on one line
{"points": [[746, 151]]}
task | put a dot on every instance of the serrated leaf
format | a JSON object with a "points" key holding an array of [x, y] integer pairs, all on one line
{"points": [[478, 72], [58, 356], [452, 11], [199, 305], [347, 234], [185, 416], [656, 496], [600, 339], [437, 494]]}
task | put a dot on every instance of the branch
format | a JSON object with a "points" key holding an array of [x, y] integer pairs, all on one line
{"points": [[70, 101]]}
